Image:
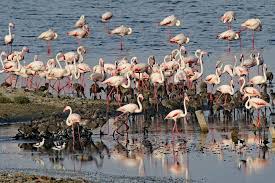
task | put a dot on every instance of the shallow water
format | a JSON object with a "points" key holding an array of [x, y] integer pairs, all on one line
{"points": [[190, 155]]}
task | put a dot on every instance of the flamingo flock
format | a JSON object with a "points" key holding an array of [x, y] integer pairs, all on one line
{"points": [[180, 76]]}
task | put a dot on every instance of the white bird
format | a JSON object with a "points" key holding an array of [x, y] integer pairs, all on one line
{"points": [[180, 39], [80, 22], [48, 36], [228, 17], [105, 17], [10, 37], [170, 21], [253, 24], [59, 147], [178, 113], [122, 31], [256, 80]]}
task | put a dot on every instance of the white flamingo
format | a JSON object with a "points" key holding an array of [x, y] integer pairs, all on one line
{"points": [[10, 37]]}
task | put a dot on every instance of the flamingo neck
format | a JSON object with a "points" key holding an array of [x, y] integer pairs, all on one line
{"points": [[10, 30], [68, 122], [161, 75], [139, 105], [264, 72], [57, 60], [247, 103], [243, 83], [201, 65], [128, 81]]}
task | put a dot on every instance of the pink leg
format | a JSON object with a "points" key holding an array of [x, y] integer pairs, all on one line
{"points": [[253, 40], [73, 136], [121, 43], [49, 48]]}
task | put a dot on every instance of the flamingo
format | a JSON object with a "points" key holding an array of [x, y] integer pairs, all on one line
{"points": [[131, 108], [122, 31], [253, 24], [257, 80], [228, 68], [197, 75], [77, 56], [239, 70], [178, 113], [116, 81], [228, 17], [107, 16], [248, 91], [226, 89], [248, 63], [79, 33], [229, 35], [170, 21], [48, 36], [256, 103], [39, 144], [21, 54], [10, 37], [157, 78], [71, 120], [180, 39], [80, 22], [82, 69]]}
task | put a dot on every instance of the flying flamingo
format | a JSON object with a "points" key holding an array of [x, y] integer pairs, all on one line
{"points": [[228, 17], [122, 31], [257, 80], [229, 35], [80, 22], [226, 89], [256, 103], [105, 18], [180, 39], [178, 113], [79, 33], [253, 24], [71, 120], [130, 108], [248, 91], [10, 37], [48, 36]]}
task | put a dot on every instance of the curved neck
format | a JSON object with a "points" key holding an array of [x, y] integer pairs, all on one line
{"points": [[1, 59], [247, 103], [161, 75], [68, 122], [139, 105], [10, 30], [57, 60], [128, 81], [242, 86], [201, 65], [264, 72]]}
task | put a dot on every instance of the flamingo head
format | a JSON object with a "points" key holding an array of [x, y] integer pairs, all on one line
{"points": [[61, 56], [25, 49], [186, 98], [12, 25], [140, 96], [67, 108]]}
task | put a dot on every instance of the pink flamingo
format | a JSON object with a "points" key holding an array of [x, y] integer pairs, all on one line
{"points": [[226, 89], [256, 103], [79, 33], [228, 17], [170, 21], [71, 120], [157, 78], [257, 80], [82, 69], [21, 54], [229, 35], [77, 56], [178, 113], [116, 81], [180, 39], [105, 18], [253, 24], [122, 31], [130, 108], [248, 91], [48, 36], [239, 70], [10, 37]]}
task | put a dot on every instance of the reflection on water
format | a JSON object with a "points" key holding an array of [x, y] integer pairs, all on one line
{"points": [[190, 154]]}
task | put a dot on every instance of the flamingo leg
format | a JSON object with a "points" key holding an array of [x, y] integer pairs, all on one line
{"points": [[253, 40], [258, 119], [79, 136], [49, 48], [73, 135], [121, 47]]}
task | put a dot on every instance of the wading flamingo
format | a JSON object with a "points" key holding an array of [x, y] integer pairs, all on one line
{"points": [[122, 31], [71, 120], [228, 18], [253, 24], [48, 36], [229, 35], [10, 37], [178, 113], [80, 22], [131, 109], [180, 39]]}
